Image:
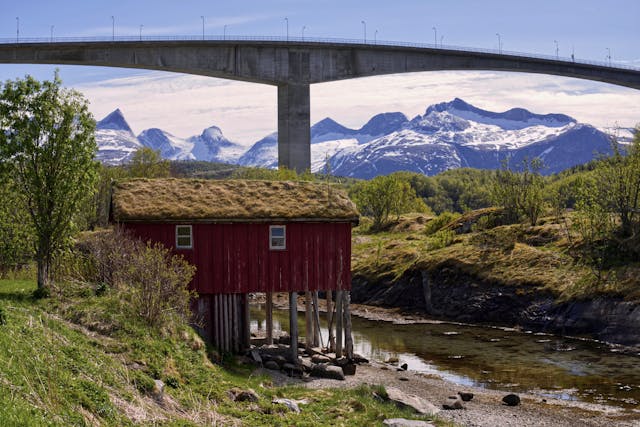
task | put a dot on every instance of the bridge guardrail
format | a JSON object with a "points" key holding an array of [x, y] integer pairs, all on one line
{"points": [[319, 40]]}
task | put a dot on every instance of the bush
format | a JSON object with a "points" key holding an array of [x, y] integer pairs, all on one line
{"points": [[440, 221], [157, 285], [440, 239], [149, 279]]}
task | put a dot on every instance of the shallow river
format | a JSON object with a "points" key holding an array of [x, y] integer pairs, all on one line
{"points": [[496, 358]]}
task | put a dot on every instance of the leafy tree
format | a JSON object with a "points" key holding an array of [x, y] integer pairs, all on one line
{"points": [[16, 241], [148, 163], [386, 195], [520, 193], [47, 145]]}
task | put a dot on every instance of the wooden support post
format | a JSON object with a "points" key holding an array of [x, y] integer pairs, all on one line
{"points": [[246, 322], [269, 318], [339, 319], [317, 336], [293, 326], [308, 321], [332, 338], [347, 323]]}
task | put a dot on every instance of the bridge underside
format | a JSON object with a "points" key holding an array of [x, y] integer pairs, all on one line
{"points": [[292, 67]]}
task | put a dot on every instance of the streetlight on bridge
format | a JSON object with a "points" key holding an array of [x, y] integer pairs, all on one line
{"points": [[52, 27], [364, 24], [435, 36], [113, 28], [141, 31], [304, 27], [17, 29], [557, 49], [375, 37], [224, 32], [202, 17], [287, 21], [499, 43], [609, 56]]}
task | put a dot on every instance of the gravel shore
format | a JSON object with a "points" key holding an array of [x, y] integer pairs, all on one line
{"points": [[485, 409]]}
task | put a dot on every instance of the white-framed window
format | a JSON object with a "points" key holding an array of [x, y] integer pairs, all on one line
{"points": [[277, 237], [184, 237]]}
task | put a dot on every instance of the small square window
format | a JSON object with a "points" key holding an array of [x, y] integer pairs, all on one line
{"points": [[277, 237], [184, 237]]}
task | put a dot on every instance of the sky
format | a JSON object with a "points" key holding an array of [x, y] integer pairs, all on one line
{"points": [[184, 105]]}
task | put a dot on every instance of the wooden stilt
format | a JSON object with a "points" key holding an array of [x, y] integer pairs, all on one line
{"points": [[339, 319], [247, 322], [317, 335], [332, 338], [269, 318], [347, 323], [308, 321], [293, 326]]}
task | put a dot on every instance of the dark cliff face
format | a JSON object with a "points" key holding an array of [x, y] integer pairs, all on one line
{"points": [[458, 297]]}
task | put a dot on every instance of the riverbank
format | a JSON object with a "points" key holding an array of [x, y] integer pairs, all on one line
{"points": [[514, 276], [485, 409], [538, 408]]}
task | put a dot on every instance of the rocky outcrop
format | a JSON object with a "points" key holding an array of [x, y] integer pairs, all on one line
{"points": [[455, 296]]}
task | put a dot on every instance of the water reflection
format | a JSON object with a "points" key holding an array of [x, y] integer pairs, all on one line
{"points": [[495, 358]]}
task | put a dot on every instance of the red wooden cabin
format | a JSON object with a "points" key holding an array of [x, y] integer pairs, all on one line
{"points": [[243, 237]]}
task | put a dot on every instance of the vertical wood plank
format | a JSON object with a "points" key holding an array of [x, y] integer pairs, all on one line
{"points": [[347, 323], [293, 326], [331, 344], [308, 321], [269, 318], [339, 318]]}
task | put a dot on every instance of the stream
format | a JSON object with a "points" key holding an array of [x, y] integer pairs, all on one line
{"points": [[495, 358]]}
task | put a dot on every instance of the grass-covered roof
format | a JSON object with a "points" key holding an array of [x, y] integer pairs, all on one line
{"points": [[170, 200]]}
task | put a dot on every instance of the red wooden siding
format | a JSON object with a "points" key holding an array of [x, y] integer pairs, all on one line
{"points": [[235, 258]]}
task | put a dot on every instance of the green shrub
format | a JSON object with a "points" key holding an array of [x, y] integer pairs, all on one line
{"points": [[156, 285], [440, 221], [440, 239]]}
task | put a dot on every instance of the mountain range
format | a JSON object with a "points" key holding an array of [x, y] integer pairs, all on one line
{"points": [[448, 135]]}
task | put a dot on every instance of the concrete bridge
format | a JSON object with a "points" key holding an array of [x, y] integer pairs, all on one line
{"points": [[293, 65]]}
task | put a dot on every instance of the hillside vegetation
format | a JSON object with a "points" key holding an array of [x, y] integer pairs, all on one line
{"points": [[79, 359]]}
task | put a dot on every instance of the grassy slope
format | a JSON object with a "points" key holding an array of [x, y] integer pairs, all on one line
{"points": [[75, 360], [532, 258]]}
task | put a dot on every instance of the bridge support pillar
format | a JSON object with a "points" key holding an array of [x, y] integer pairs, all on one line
{"points": [[294, 126]]}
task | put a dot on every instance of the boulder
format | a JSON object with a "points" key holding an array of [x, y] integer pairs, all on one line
{"points": [[404, 366], [465, 396], [291, 404], [272, 364], [327, 371], [238, 395], [403, 422], [453, 402], [255, 355], [359, 359], [320, 358], [417, 403], [349, 369], [511, 400], [292, 370], [158, 389]]}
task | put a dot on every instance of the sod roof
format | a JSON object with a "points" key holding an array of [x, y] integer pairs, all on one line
{"points": [[172, 200]]}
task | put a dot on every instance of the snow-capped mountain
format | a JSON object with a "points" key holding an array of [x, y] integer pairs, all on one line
{"points": [[448, 135], [171, 147], [456, 134], [117, 142], [327, 138], [115, 139], [211, 145]]}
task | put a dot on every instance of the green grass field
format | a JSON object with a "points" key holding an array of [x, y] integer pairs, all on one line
{"points": [[75, 360]]}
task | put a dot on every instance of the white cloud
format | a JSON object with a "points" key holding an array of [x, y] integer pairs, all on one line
{"points": [[185, 104]]}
